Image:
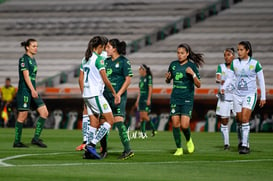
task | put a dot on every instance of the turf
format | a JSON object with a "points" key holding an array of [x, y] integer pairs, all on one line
{"points": [[153, 158]]}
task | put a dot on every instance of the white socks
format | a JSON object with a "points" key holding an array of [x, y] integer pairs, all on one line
{"points": [[225, 133], [104, 128], [85, 123], [245, 134]]}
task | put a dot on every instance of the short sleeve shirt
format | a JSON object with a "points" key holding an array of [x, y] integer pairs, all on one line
{"points": [[27, 63]]}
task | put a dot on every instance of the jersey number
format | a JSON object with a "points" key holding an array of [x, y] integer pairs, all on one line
{"points": [[86, 70]]}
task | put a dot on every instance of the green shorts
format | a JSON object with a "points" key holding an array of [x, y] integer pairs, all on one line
{"points": [[26, 102], [120, 109], [185, 109], [143, 107]]}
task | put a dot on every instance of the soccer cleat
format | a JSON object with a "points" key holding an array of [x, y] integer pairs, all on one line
{"points": [[154, 132], [179, 152], [92, 151], [38, 142], [239, 146], [80, 147], [103, 154], [19, 145], [190, 146], [125, 155], [226, 147], [244, 150]]}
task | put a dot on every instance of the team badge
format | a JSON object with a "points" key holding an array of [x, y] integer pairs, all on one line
{"points": [[105, 106], [117, 65], [25, 105], [173, 110]]}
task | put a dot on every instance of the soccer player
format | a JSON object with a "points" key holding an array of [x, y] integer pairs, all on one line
{"points": [[87, 131], [119, 72], [225, 102], [185, 76], [93, 78], [27, 95], [144, 98], [245, 69]]}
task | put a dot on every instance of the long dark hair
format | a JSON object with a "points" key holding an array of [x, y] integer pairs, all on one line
{"points": [[147, 69], [247, 46], [93, 43], [119, 45], [197, 58], [26, 43]]}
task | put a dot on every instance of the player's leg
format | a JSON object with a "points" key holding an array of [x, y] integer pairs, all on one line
{"points": [[22, 116]]}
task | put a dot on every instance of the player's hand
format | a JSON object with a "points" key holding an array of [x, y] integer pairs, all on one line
{"points": [[262, 103], [117, 99], [189, 71], [34, 94]]}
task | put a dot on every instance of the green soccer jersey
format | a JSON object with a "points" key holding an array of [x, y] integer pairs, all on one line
{"points": [[27, 63], [144, 84], [117, 71], [183, 84]]}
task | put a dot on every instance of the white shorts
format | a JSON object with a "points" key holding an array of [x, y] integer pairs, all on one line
{"points": [[224, 108], [248, 102], [97, 105]]}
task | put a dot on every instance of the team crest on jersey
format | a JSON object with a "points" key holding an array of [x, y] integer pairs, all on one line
{"points": [[173, 110], [22, 64], [105, 106], [117, 65], [173, 67], [251, 67], [25, 105]]}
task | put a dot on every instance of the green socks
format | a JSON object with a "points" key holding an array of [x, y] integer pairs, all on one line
{"points": [[152, 125], [18, 132], [39, 128], [177, 137], [123, 136], [143, 126]]}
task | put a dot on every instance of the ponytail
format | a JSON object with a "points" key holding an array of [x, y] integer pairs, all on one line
{"points": [[26, 43], [120, 46], [93, 43], [147, 69]]}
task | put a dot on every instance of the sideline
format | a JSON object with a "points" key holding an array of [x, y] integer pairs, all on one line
{"points": [[3, 164]]}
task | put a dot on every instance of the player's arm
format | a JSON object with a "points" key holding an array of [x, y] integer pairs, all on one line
{"points": [[125, 85], [34, 93], [196, 79], [81, 76], [109, 85], [150, 91]]}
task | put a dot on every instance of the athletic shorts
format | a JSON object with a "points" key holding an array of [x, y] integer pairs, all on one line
{"points": [[26, 102], [97, 105], [248, 102], [143, 107], [185, 109], [224, 108], [120, 109]]}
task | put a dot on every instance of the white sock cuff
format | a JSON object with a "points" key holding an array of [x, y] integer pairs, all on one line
{"points": [[107, 125]]}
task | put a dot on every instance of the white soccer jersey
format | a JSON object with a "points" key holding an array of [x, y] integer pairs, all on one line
{"points": [[93, 83], [225, 73], [246, 73]]}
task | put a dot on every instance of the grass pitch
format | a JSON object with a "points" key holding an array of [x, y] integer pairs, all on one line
{"points": [[153, 158]]}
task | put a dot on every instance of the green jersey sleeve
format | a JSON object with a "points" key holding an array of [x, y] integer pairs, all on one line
{"points": [[23, 64], [258, 67], [127, 71], [100, 63], [219, 69], [150, 80]]}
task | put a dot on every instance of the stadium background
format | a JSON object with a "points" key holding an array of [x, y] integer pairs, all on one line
{"points": [[152, 30]]}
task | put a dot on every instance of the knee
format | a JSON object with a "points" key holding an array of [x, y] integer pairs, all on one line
{"points": [[44, 114]]}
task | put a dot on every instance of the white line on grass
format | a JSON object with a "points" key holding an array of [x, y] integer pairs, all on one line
{"points": [[2, 164]]}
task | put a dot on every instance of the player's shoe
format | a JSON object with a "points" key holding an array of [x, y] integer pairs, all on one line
{"points": [[244, 150], [190, 146], [125, 155], [92, 150], [87, 155], [226, 147], [38, 142], [19, 145], [103, 154], [178, 152], [80, 147], [154, 132]]}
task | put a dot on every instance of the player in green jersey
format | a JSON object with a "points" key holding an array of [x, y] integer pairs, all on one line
{"points": [[185, 76], [27, 95], [144, 98], [119, 72]]}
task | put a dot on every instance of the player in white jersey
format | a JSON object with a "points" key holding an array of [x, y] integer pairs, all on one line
{"points": [[87, 131], [225, 102], [92, 80], [246, 70]]}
